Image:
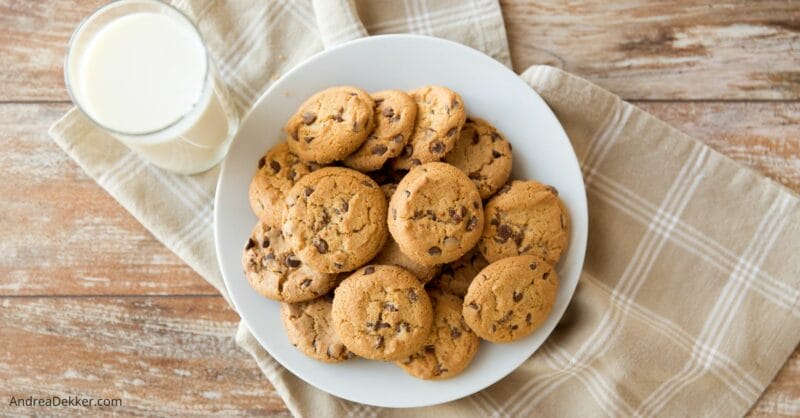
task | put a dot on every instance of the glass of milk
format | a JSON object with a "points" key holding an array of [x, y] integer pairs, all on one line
{"points": [[139, 70]]}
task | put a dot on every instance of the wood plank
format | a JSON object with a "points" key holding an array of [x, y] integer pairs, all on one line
{"points": [[33, 43], [782, 397], [60, 233], [762, 136], [691, 49], [163, 356], [640, 49]]}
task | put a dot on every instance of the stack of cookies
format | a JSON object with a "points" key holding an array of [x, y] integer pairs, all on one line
{"points": [[388, 229]]}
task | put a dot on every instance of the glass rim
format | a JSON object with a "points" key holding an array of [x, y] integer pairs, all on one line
{"points": [[78, 31]]}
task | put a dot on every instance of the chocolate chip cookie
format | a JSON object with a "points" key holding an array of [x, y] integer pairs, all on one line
{"points": [[382, 313], [484, 154], [393, 256], [440, 116], [436, 214], [335, 219], [309, 326], [274, 271], [456, 277], [451, 344], [331, 124], [278, 170], [510, 298], [395, 113], [526, 217]]}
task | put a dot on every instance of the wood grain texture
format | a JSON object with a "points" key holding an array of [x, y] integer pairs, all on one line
{"points": [[690, 49], [167, 357], [60, 233], [33, 42]]}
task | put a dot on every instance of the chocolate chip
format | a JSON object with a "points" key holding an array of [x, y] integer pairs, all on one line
{"points": [[275, 166], [291, 261], [429, 349], [494, 222], [475, 175], [495, 136], [308, 139], [518, 239], [309, 117], [454, 215], [390, 307], [494, 327], [553, 190], [379, 149], [407, 151], [496, 154], [412, 295], [305, 283], [430, 214], [476, 204], [338, 118], [402, 326], [463, 211], [455, 332], [294, 135], [475, 138], [439, 370], [345, 207], [262, 161], [514, 327], [546, 275], [434, 251], [388, 112], [320, 244], [436, 147], [265, 243], [398, 138], [369, 270], [504, 232], [517, 296], [382, 325], [338, 265], [415, 162], [473, 222], [250, 244], [407, 193], [379, 342], [292, 174], [452, 131], [528, 318], [533, 265], [473, 305], [308, 191]]}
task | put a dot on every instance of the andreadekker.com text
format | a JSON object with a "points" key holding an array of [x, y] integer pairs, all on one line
{"points": [[58, 401]]}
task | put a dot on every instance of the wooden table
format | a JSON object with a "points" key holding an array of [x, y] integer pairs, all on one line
{"points": [[91, 304]]}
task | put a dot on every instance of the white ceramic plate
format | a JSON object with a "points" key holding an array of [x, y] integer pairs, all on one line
{"points": [[490, 91]]}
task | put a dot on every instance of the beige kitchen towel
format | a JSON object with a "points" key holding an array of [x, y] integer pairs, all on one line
{"points": [[688, 302]]}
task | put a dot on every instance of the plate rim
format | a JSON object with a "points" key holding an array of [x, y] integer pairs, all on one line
{"points": [[581, 247]]}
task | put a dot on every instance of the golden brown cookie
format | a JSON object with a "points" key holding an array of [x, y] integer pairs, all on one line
{"points": [[440, 116], [451, 344], [395, 113], [278, 170], [331, 124], [382, 313], [456, 277], [335, 219], [510, 298], [392, 255], [274, 271], [526, 217], [484, 154], [436, 214], [309, 326]]}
